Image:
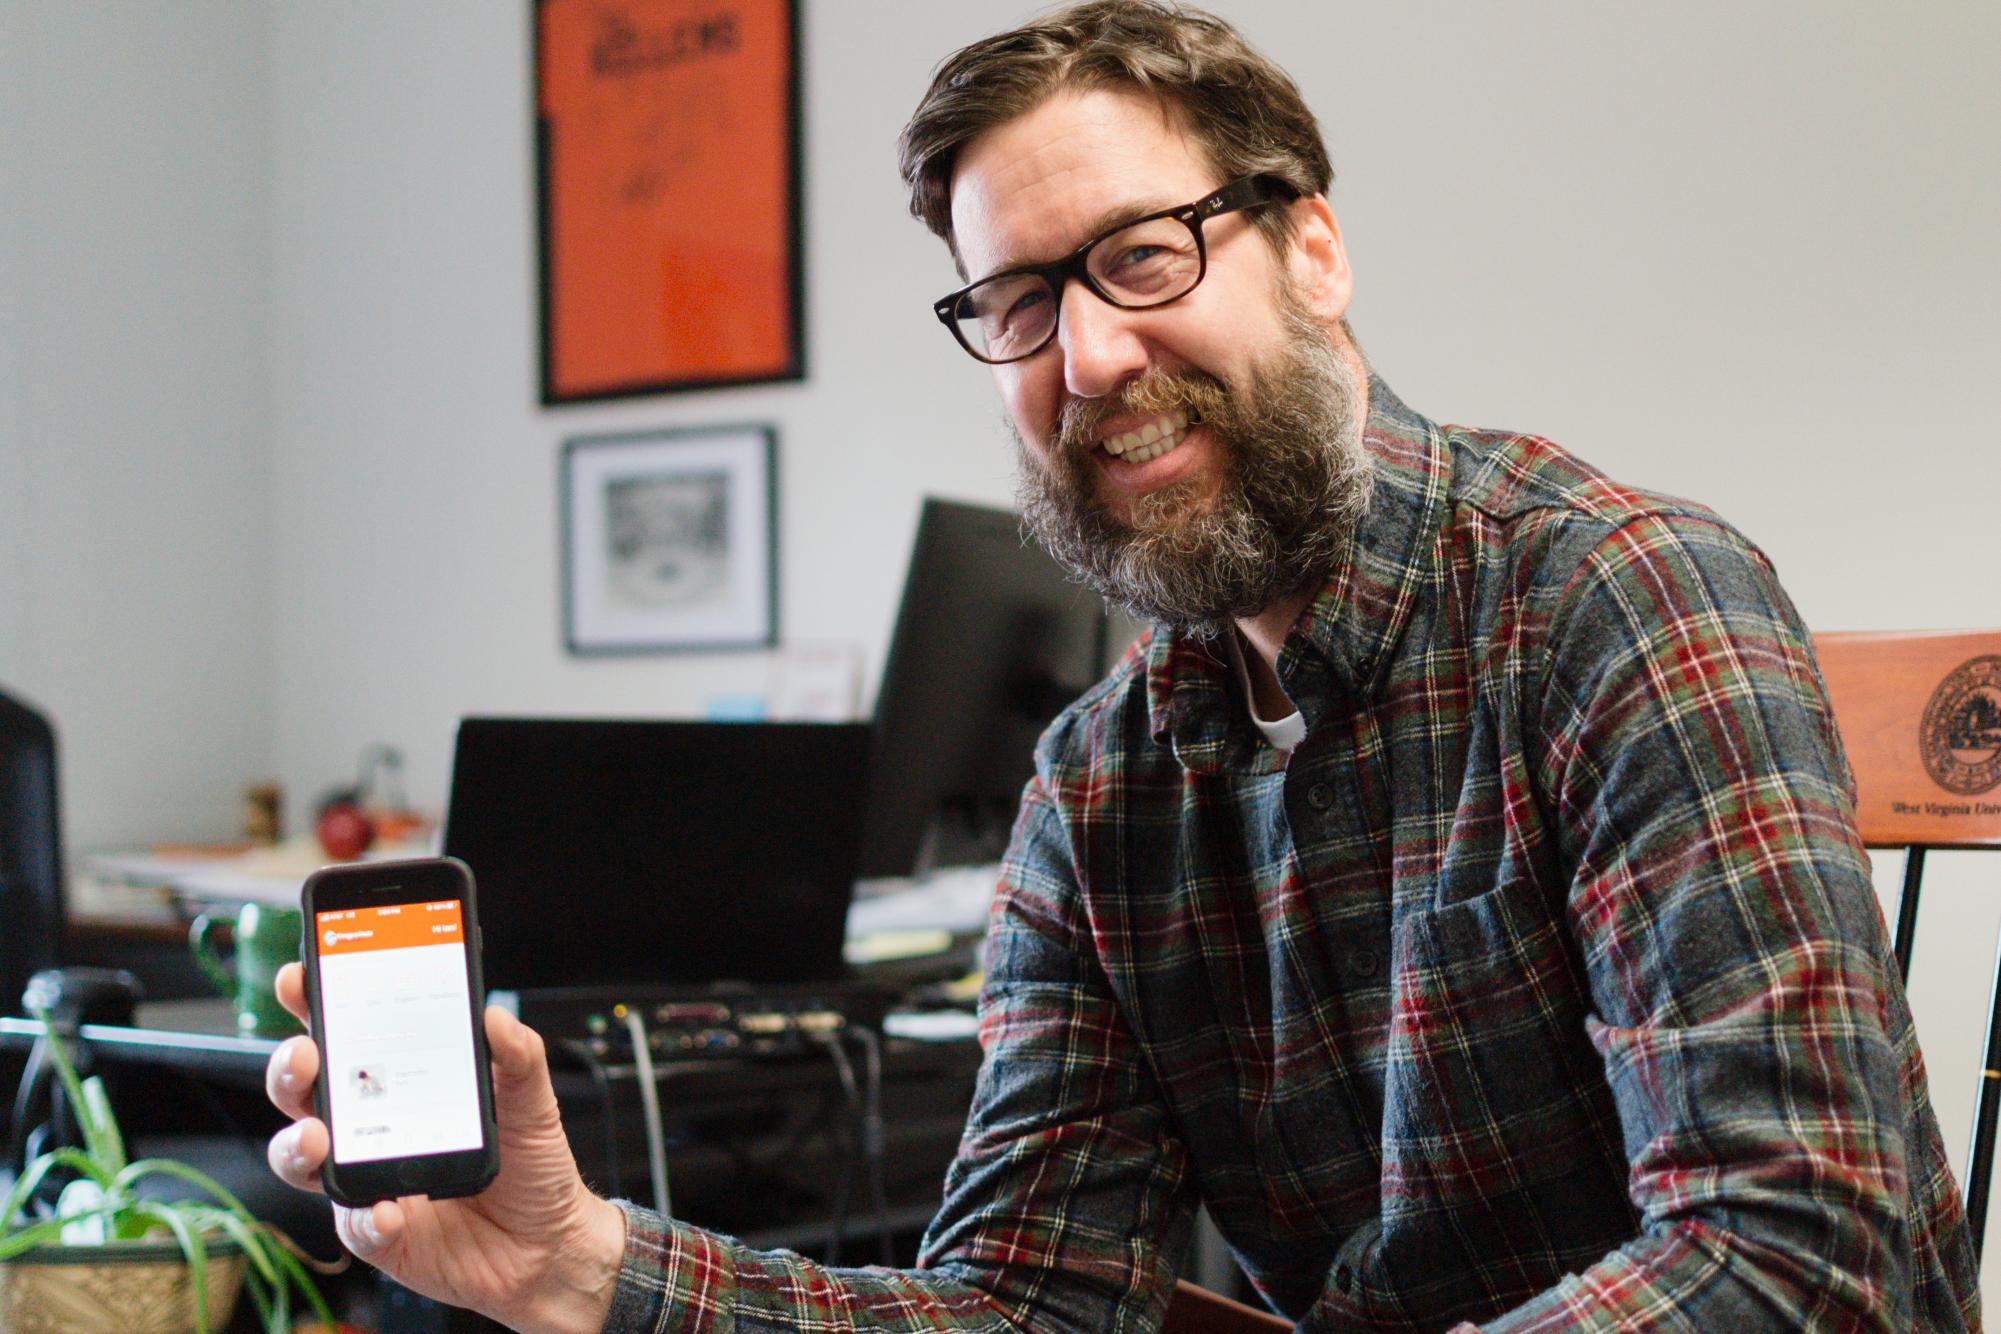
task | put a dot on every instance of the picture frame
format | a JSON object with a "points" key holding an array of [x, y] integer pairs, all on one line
{"points": [[670, 540], [668, 172]]}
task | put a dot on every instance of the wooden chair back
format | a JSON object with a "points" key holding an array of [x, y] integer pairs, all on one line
{"points": [[1920, 716], [1194, 1310]]}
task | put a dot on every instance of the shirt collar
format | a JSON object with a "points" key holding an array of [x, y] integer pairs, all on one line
{"points": [[1336, 652]]}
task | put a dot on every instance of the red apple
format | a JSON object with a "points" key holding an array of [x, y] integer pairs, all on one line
{"points": [[344, 831]]}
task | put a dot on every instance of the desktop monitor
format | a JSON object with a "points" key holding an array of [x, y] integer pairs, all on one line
{"points": [[612, 853], [992, 640]]}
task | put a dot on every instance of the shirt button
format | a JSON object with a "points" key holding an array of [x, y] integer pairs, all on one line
{"points": [[1365, 963], [1320, 796]]}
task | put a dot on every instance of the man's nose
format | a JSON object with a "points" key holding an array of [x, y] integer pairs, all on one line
{"points": [[1100, 344]]}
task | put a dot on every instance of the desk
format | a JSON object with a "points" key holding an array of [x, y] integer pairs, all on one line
{"points": [[191, 1036], [755, 1145]]}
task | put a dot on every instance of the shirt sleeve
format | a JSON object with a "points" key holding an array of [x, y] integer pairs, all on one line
{"points": [[1065, 1208], [1733, 947]]}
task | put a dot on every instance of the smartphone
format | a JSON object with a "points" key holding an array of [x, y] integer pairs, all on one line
{"points": [[391, 951]]}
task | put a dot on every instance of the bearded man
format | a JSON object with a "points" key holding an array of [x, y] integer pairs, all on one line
{"points": [[1456, 891]]}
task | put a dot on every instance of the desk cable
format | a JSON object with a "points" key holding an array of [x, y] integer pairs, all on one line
{"points": [[649, 1101], [837, 1225], [874, 1139], [868, 1145]]}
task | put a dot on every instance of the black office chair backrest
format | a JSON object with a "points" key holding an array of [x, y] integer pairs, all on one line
{"points": [[31, 867]]}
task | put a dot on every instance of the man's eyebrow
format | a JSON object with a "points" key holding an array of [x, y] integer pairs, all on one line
{"points": [[1109, 221]]}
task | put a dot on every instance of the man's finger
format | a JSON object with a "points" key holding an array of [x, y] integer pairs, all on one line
{"points": [[289, 1076], [521, 1072], [291, 989], [515, 1047], [297, 1152], [372, 1232]]}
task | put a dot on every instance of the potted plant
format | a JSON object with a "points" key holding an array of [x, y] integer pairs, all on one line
{"points": [[105, 1259]]}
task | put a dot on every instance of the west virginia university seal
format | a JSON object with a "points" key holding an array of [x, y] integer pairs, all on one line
{"points": [[1960, 737]]}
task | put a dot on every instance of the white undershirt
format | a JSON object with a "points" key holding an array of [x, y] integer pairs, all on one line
{"points": [[1283, 733]]}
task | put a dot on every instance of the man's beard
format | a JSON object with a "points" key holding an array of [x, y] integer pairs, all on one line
{"points": [[1295, 483]]}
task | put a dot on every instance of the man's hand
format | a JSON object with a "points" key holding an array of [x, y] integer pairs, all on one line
{"points": [[535, 1250]]}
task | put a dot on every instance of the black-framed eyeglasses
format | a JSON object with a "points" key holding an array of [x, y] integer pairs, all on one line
{"points": [[1147, 262]]}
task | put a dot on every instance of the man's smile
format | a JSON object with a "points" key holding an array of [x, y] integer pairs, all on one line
{"points": [[1161, 451], [1151, 440]]}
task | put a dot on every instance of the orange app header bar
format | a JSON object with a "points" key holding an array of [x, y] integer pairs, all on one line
{"points": [[400, 926]]}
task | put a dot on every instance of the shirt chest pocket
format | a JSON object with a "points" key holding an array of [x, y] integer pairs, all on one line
{"points": [[1496, 1113]]}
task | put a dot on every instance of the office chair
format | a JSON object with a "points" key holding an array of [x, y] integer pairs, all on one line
{"points": [[31, 873], [1919, 714]]}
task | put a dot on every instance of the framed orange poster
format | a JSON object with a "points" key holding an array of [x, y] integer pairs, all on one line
{"points": [[668, 173]]}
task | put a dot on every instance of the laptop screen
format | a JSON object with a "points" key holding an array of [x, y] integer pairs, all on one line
{"points": [[661, 853]]}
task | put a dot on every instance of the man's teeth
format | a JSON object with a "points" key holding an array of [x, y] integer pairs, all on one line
{"points": [[1149, 441]]}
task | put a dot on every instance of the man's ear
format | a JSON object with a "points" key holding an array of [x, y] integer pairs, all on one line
{"points": [[1318, 259]]}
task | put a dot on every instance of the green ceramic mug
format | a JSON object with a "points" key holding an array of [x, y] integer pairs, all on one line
{"points": [[267, 937]]}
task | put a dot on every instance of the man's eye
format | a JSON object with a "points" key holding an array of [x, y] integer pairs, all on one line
{"points": [[1147, 270], [1136, 258], [1026, 308], [1011, 319], [1003, 304]]}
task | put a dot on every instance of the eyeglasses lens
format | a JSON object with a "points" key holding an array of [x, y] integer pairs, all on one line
{"points": [[1146, 264], [1007, 317]]}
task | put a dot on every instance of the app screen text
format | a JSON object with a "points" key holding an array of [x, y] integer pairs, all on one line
{"points": [[398, 1064]]}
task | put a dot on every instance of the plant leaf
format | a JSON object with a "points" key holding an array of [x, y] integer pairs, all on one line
{"points": [[24, 1186], [247, 1235], [31, 1179], [72, 1087], [192, 1250], [47, 1231], [306, 1286], [111, 1144], [270, 1316], [268, 1255], [266, 1281], [28, 1238], [146, 1167]]}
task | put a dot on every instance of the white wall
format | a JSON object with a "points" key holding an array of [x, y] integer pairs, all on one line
{"points": [[13, 330], [1744, 253], [416, 477], [1740, 253], [134, 482]]}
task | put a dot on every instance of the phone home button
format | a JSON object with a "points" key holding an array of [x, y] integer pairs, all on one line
{"points": [[410, 1173]]}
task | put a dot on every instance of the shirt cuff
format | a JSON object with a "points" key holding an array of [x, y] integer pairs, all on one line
{"points": [[673, 1277]]}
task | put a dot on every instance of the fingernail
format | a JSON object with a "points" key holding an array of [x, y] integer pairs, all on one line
{"points": [[286, 1079], [364, 1227], [295, 1163]]}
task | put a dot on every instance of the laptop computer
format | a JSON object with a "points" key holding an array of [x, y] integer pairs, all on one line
{"points": [[648, 853]]}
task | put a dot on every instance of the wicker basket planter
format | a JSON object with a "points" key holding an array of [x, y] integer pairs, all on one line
{"points": [[123, 1287]]}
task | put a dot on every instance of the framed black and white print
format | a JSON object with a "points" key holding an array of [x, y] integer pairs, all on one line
{"points": [[670, 540]]}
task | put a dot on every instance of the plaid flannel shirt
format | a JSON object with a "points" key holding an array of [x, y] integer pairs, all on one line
{"points": [[1543, 985]]}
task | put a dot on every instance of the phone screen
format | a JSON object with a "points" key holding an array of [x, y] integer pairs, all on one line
{"points": [[399, 1065]]}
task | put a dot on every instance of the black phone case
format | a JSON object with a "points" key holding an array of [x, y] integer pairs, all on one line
{"points": [[361, 1184]]}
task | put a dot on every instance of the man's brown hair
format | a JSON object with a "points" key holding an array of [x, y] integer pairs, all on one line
{"points": [[1244, 112]]}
